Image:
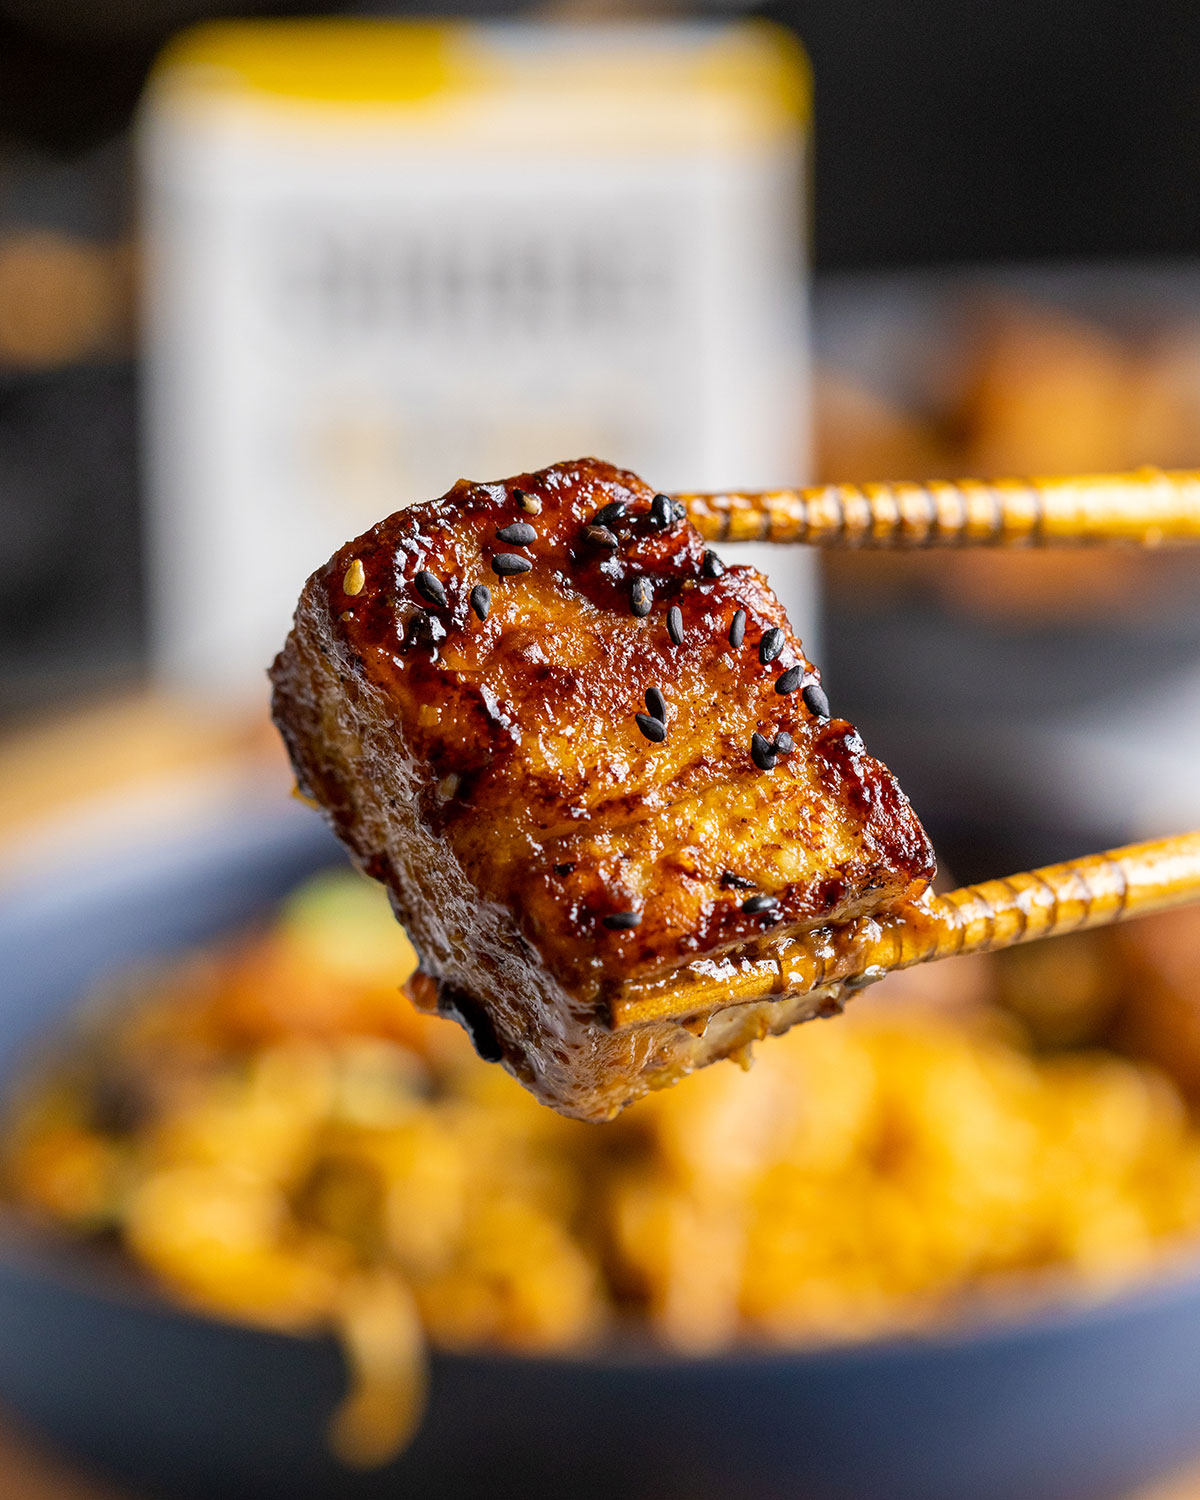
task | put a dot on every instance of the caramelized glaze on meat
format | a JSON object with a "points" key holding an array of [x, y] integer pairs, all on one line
{"points": [[540, 848]]}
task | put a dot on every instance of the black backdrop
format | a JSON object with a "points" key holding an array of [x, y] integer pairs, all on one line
{"points": [[947, 129], [966, 129]]}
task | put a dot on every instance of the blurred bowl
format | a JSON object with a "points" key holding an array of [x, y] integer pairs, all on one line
{"points": [[1080, 1402]]}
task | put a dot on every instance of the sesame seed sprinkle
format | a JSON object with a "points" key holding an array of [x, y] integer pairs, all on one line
{"points": [[508, 564], [756, 904], [656, 704], [661, 512], [424, 627], [481, 600], [430, 588], [815, 700], [711, 566], [654, 729], [355, 578], [622, 921], [675, 624], [610, 513], [738, 882], [641, 596], [737, 628], [476, 1023], [519, 534], [789, 681], [771, 645], [762, 752], [784, 743], [600, 536], [530, 504]]}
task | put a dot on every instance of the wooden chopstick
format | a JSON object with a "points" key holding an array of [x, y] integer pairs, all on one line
{"points": [[1089, 892], [1147, 508]]}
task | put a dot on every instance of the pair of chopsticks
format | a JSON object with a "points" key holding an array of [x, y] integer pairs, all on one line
{"points": [[1148, 508]]}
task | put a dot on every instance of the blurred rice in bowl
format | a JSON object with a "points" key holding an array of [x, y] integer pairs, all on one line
{"points": [[274, 1136]]}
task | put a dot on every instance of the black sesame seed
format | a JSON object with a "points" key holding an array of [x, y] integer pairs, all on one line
{"points": [[609, 513], [476, 1022], [653, 729], [815, 700], [675, 624], [425, 627], [600, 536], [738, 882], [712, 566], [757, 904], [678, 510], [771, 645], [430, 588], [784, 743], [641, 596], [506, 564], [656, 704], [790, 680], [481, 600], [660, 510], [563, 870], [737, 628], [520, 534], [622, 921], [762, 752]]}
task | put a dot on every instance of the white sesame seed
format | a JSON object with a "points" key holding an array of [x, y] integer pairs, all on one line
{"points": [[355, 578]]}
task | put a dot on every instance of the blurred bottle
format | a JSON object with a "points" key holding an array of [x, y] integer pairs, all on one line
{"points": [[383, 255]]}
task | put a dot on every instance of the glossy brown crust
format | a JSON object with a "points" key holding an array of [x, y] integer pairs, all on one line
{"points": [[493, 774]]}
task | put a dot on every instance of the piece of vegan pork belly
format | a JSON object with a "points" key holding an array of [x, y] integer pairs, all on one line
{"points": [[583, 756]]}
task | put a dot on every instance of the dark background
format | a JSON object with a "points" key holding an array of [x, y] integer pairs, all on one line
{"points": [[946, 129]]}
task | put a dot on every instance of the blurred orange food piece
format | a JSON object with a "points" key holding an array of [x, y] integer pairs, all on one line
{"points": [[62, 298], [1028, 389], [275, 1135]]}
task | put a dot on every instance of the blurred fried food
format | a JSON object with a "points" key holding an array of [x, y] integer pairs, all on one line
{"points": [[1067, 993], [1044, 393], [1161, 1020], [1030, 389], [278, 1137], [62, 298], [863, 436]]}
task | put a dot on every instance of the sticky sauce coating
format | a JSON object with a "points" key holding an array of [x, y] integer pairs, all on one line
{"points": [[606, 742]]}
